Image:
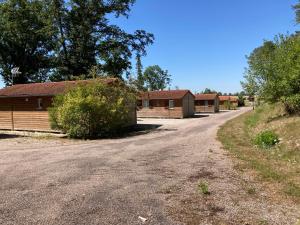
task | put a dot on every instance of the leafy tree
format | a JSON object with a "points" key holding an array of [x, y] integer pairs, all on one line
{"points": [[208, 91], [65, 39], [250, 84], [274, 72], [87, 38], [93, 110], [156, 78], [26, 40], [241, 100]]}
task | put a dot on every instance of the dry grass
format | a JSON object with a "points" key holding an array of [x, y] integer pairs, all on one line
{"points": [[279, 167]]}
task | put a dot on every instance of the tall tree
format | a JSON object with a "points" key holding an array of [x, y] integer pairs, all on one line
{"points": [[297, 10], [26, 40], [139, 71], [88, 39], [156, 78], [66, 39]]}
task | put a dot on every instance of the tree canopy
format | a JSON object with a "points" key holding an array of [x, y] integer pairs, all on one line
{"points": [[27, 40], [274, 71], [155, 78], [60, 40]]}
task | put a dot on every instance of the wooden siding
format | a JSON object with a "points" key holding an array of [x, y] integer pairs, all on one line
{"points": [[225, 106], [211, 107], [24, 114], [6, 116], [159, 108], [188, 105]]}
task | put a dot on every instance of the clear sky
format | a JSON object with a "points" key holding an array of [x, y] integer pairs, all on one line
{"points": [[203, 43]]}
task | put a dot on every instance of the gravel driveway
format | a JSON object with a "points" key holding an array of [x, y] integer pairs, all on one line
{"points": [[114, 181]]}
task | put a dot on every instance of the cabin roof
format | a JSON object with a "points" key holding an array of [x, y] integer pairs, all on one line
{"points": [[170, 94], [46, 88], [206, 96], [229, 98]]}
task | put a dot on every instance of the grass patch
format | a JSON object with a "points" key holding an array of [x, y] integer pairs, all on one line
{"points": [[203, 188], [277, 164], [251, 191]]}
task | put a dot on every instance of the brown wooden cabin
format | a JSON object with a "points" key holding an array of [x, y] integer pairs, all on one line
{"points": [[166, 104], [206, 103], [24, 106], [228, 102]]}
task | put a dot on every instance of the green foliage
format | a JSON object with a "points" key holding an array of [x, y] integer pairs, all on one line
{"points": [[140, 76], [209, 91], [227, 105], [266, 139], [87, 38], [297, 10], [292, 103], [26, 40], [60, 40], [156, 78], [274, 72], [92, 110], [241, 100], [203, 188]]}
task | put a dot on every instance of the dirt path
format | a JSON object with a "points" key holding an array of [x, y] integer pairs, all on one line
{"points": [[115, 181]]}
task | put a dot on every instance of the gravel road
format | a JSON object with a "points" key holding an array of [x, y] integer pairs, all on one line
{"points": [[114, 181]]}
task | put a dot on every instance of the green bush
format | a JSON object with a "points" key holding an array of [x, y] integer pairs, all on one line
{"points": [[92, 110], [227, 105], [241, 101], [266, 139], [292, 104]]}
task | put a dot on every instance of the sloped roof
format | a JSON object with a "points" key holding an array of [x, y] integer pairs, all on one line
{"points": [[206, 96], [171, 94], [229, 98], [45, 89]]}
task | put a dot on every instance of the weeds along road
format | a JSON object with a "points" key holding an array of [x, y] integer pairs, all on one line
{"points": [[154, 175]]}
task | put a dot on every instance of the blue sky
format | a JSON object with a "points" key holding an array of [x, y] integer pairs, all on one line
{"points": [[203, 43]]}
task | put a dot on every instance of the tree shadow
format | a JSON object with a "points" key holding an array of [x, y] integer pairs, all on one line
{"points": [[9, 136], [138, 129], [198, 115]]}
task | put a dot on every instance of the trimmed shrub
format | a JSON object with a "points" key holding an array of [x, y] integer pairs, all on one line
{"points": [[266, 139], [292, 104], [92, 110]]}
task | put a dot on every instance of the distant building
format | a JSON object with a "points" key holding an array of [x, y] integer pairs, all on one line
{"points": [[166, 104], [228, 102], [207, 103]]}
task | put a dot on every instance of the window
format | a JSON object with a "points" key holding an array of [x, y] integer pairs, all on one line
{"points": [[171, 104], [40, 103], [206, 103], [145, 103]]}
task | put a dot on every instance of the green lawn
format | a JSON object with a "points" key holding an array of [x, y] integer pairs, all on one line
{"points": [[277, 167]]}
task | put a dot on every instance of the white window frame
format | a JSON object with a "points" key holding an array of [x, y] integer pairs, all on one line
{"points": [[146, 103], [40, 103], [171, 104]]}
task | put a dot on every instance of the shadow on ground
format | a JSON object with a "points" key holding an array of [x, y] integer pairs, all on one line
{"points": [[9, 136]]}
